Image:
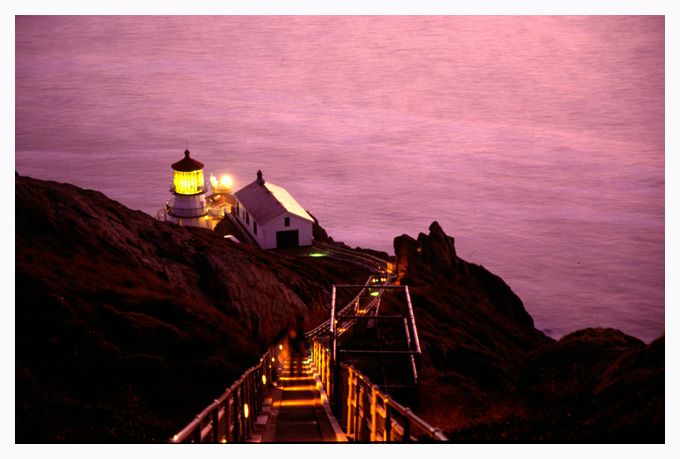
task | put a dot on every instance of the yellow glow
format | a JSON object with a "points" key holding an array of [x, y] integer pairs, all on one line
{"points": [[245, 410], [188, 182], [226, 181], [293, 378], [224, 440], [299, 388], [299, 402], [175, 438], [280, 347], [273, 359], [264, 379]]}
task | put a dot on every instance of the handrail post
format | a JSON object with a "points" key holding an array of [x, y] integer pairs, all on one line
{"points": [[237, 416], [407, 427], [333, 328], [197, 432], [374, 414], [359, 418], [227, 419], [251, 405], [350, 397], [388, 421], [216, 423]]}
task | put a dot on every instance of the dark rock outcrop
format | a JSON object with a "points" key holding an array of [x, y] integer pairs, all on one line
{"points": [[126, 327], [489, 375], [474, 328]]}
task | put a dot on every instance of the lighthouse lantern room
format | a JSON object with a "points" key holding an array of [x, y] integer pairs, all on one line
{"points": [[188, 206]]}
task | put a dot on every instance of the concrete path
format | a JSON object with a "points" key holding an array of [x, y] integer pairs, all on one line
{"points": [[298, 412]]}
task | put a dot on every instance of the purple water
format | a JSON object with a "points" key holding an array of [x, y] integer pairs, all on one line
{"points": [[537, 142]]}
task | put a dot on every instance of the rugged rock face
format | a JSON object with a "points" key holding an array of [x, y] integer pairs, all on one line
{"points": [[488, 375], [602, 384], [474, 328], [126, 327]]}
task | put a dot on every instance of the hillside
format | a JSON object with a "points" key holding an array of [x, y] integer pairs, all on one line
{"points": [[490, 376], [126, 327]]}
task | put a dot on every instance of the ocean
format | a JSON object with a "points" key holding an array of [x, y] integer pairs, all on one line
{"points": [[537, 142]]}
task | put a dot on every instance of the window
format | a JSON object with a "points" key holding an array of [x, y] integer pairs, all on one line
{"points": [[254, 226], [286, 221], [247, 219]]}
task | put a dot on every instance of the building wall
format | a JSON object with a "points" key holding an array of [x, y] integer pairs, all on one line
{"points": [[304, 227], [248, 221], [266, 235], [201, 222], [192, 206]]}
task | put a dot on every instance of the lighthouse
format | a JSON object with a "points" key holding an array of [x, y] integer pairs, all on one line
{"points": [[188, 206]]}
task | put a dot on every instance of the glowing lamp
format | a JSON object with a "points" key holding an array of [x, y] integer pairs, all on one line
{"points": [[245, 410], [264, 379], [188, 177], [280, 347], [223, 185], [226, 181]]}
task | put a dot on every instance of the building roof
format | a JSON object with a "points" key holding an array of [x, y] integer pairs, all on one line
{"points": [[266, 201], [187, 164]]}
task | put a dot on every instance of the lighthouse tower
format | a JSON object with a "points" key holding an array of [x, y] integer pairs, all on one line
{"points": [[188, 207]]}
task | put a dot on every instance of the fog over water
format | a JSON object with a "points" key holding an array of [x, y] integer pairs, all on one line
{"points": [[536, 142]]}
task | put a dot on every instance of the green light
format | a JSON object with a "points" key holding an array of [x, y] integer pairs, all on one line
{"points": [[375, 293], [316, 255]]}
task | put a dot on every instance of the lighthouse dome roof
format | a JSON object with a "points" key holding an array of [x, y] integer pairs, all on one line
{"points": [[187, 164]]}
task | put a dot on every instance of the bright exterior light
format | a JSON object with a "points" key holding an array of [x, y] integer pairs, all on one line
{"points": [[175, 438], [273, 359], [264, 379], [375, 293], [226, 181], [245, 410], [280, 347], [224, 440], [316, 255]]}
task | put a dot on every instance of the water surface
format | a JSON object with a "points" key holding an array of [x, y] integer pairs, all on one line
{"points": [[537, 142]]}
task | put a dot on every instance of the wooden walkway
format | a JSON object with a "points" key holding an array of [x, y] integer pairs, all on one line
{"points": [[297, 411]]}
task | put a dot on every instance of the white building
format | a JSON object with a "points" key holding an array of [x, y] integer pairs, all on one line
{"points": [[272, 216]]}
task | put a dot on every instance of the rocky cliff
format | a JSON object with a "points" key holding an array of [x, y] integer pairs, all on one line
{"points": [[126, 327], [489, 375]]}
